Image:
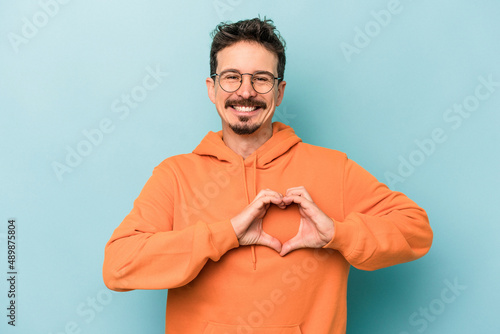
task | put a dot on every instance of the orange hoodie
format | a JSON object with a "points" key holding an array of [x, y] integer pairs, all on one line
{"points": [[178, 236]]}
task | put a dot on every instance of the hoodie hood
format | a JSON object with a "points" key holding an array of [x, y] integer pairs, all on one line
{"points": [[282, 140]]}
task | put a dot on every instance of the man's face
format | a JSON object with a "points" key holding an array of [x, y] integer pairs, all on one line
{"points": [[245, 111]]}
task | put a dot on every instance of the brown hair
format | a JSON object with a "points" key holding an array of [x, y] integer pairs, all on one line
{"points": [[255, 30]]}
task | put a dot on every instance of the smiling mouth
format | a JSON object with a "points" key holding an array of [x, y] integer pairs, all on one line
{"points": [[245, 109], [245, 105]]}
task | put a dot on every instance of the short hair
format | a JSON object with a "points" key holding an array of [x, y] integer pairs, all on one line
{"points": [[254, 30]]}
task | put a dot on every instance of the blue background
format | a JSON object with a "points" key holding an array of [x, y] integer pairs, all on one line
{"points": [[64, 68]]}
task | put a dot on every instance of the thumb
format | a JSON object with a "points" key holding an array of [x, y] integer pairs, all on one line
{"points": [[269, 241], [291, 245]]}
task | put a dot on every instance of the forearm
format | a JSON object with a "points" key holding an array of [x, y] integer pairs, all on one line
{"points": [[369, 242], [163, 260]]}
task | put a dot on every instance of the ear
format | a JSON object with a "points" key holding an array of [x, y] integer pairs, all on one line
{"points": [[281, 92], [211, 89]]}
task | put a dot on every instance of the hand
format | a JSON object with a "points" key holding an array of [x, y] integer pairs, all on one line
{"points": [[248, 224], [316, 228]]}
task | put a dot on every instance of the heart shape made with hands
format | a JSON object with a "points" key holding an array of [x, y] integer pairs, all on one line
{"points": [[283, 224]]}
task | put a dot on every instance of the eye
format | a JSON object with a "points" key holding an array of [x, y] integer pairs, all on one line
{"points": [[262, 78], [230, 76]]}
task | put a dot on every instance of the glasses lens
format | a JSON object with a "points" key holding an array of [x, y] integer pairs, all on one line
{"points": [[263, 82], [230, 81]]}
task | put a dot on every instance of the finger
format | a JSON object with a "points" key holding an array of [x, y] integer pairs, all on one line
{"points": [[291, 245], [299, 191], [294, 189], [301, 200], [267, 192], [269, 241], [278, 201], [274, 198]]}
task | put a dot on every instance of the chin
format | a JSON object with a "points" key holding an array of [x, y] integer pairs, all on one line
{"points": [[244, 129]]}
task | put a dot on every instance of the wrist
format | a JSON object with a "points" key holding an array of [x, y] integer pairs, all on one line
{"points": [[237, 231], [330, 232]]}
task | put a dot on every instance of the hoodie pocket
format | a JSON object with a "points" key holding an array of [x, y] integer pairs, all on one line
{"points": [[214, 328]]}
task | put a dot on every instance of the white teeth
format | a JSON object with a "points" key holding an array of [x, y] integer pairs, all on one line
{"points": [[244, 109]]}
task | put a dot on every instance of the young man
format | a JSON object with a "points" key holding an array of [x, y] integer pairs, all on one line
{"points": [[255, 231]]}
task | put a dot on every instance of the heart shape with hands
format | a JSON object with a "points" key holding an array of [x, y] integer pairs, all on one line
{"points": [[315, 227]]}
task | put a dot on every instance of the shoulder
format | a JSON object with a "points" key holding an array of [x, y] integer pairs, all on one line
{"points": [[320, 152], [178, 161], [176, 164]]}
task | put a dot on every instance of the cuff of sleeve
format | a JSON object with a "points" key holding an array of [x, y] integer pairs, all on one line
{"points": [[223, 237], [345, 237]]}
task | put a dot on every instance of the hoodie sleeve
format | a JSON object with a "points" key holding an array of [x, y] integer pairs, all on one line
{"points": [[381, 227], [145, 252]]}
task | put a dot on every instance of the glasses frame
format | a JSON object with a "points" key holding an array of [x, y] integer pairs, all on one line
{"points": [[241, 80]]}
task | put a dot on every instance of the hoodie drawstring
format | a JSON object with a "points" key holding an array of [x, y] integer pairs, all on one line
{"points": [[254, 255], [254, 167], [254, 258]]}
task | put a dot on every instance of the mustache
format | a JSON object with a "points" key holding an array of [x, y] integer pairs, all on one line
{"points": [[246, 103]]}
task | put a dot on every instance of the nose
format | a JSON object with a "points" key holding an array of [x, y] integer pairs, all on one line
{"points": [[246, 89]]}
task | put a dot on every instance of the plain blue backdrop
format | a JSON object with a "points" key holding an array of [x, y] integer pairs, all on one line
{"points": [[408, 89]]}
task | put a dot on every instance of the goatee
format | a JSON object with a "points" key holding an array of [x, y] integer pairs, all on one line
{"points": [[244, 129]]}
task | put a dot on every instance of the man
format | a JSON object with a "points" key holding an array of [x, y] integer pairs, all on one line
{"points": [[255, 231]]}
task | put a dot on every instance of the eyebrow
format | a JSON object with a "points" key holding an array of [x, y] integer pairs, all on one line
{"points": [[235, 70], [230, 69]]}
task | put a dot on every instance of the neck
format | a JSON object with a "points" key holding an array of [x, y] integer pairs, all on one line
{"points": [[245, 145]]}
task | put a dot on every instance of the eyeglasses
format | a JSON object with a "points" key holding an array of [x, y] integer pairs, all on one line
{"points": [[230, 81]]}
